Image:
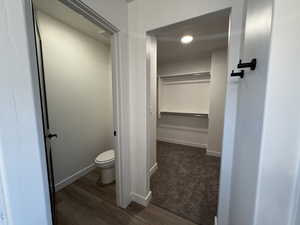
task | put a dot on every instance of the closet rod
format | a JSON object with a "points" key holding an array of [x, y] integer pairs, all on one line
{"points": [[185, 74]]}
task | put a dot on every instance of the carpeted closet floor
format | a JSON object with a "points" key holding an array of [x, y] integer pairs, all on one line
{"points": [[186, 182]]}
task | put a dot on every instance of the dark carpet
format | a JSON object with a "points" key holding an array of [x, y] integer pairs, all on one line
{"points": [[186, 182]]}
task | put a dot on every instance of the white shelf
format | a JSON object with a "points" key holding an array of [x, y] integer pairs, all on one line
{"points": [[185, 113], [201, 74]]}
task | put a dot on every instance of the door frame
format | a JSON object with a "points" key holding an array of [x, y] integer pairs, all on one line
{"points": [[119, 140], [235, 37], [84, 10]]}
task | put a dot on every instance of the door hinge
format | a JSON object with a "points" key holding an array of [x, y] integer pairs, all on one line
{"points": [[115, 133]]}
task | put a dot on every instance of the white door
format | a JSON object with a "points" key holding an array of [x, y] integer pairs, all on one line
{"points": [[250, 110], [46, 128]]}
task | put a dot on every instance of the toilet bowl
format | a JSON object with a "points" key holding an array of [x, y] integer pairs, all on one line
{"points": [[106, 161]]}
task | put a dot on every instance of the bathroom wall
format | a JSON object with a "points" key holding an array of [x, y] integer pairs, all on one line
{"points": [[79, 93], [187, 130], [217, 101]]}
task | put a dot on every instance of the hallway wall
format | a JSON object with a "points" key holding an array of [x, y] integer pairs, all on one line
{"points": [[144, 16], [79, 93]]}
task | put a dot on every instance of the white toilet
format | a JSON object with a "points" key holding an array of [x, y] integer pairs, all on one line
{"points": [[106, 161]]}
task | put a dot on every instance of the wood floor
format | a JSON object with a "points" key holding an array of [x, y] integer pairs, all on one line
{"points": [[86, 202]]}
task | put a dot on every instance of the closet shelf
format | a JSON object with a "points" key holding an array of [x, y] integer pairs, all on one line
{"points": [[204, 74], [185, 113]]}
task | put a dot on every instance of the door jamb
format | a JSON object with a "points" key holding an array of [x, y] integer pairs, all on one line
{"points": [[233, 52], [94, 17], [79, 7]]}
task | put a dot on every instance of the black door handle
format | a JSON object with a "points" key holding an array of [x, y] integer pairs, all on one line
{"points": [[238, 74], [50, 136], [251, 65]]}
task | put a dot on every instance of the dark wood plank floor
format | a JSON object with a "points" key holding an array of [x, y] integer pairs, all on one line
{"points": [[86, 202]]}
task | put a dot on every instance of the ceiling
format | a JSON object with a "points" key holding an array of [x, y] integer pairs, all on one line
{"points": [[59, 11], [210, 32]]}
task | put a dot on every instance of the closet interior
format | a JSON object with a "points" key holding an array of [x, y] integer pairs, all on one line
{"points": [[190, 80]]}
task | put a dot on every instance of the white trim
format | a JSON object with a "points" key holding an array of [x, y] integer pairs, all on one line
{"points": [[216, 220], [120, 125], [205, 114], [153, 169], [213, 153], [181, 142], [186, 82], [144, 201], [202, 73], [295, 204], [69, 180], [197, 130], [151, 111], [3, 213], [87, 12], [235, 37]]}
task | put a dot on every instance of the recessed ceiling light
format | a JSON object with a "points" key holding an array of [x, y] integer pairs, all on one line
{"points": [[186, 39]]}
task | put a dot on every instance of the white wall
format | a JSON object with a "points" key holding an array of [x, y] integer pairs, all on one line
{"points": [[187, 130], [79, 94], [147, 15], [202, 64], [217, 101]]}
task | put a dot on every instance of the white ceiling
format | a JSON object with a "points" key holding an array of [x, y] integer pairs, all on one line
{"points": [[210, 32], [59, 11]]}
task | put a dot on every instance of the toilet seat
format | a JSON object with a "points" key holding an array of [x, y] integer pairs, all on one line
{"points": [[105, 157], [106, 162]]}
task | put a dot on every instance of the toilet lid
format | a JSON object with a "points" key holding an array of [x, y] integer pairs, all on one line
{"points": [[106, 156]]}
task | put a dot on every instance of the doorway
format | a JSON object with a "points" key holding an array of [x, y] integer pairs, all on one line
{"points": [[187, 66], [78, 88]]}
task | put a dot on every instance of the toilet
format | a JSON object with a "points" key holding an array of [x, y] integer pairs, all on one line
{"points": [[106, 161]]}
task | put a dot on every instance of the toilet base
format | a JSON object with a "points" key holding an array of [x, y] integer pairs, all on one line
{"points": [[107, 175]]}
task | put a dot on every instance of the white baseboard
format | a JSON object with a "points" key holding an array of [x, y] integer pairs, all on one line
{"points": [[213, 153], [181, 142], [153, 169], [141, 199], [69, 180]]}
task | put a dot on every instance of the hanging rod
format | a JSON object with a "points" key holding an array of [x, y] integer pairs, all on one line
{"points": [[186, 74]]}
